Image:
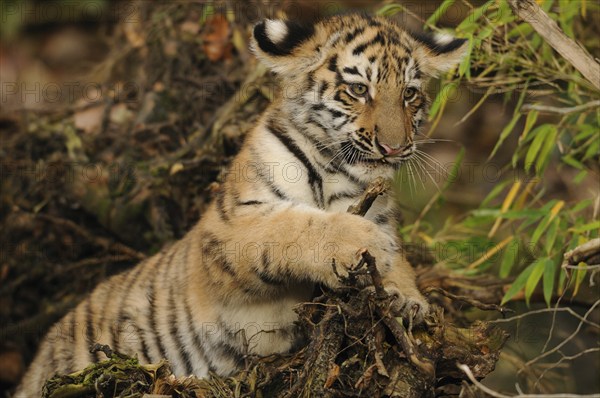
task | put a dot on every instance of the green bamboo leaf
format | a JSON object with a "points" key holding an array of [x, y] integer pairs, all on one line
{"points": [[540, 134], [579, 275], [543, 225], [517, 285], [551, 235], [509, 258], [586, 227], [441, 10], [453, 172], [495, 192], [581, 205], [505, 133], [586, 131], [486, 213], [529, 122], [539, 266], [562, 280], [390, 9], [568, 159], [440, 100], [472, 18], [592, 150], [580, 176], [549, 277], [510, 126], [465, 66], [543, 156]]}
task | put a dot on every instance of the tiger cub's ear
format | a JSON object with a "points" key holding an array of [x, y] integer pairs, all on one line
{"points": [[438, 53], [278, 43]]}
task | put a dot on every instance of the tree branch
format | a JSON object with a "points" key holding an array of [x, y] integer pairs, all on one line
{"points": [[530, 12]]}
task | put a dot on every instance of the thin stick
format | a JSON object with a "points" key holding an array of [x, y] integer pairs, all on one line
{"points": [[530, 12], [560, 111], [378, 187], [469, 300], [495, 394], [397, 329]]}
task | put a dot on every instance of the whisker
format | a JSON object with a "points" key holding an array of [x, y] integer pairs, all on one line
{"points": [[418, 166], [418, 156], [427, 156]]}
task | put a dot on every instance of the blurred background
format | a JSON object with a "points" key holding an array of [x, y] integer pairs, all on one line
{"points": [[118, 117]]}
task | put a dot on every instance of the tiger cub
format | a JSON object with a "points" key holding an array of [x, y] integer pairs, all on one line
{"points": [[353, 98]]}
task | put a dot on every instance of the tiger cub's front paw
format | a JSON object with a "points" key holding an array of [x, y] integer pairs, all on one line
{"points": [[408, 305]]}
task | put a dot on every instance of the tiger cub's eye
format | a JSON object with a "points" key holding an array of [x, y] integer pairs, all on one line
{"points": [[409, 93], [359, 89]]}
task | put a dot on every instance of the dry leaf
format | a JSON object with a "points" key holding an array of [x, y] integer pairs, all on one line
{"points": [[190, 27], [334, 372], [120, 114], [217, 39], [89, 119]]}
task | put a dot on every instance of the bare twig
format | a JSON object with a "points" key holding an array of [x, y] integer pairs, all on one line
{"points": [[495, 394], [105, 243], [544, 310], [560, 111], [530, 12], [397, 329], [378, 187], [470, 301], [565, 341], [582, 253]]}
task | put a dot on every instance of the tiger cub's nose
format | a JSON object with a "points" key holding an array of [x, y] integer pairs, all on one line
{"points": [[387, 150]]}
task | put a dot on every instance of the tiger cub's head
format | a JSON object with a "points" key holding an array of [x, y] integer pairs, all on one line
{"points": [[358, 82]]}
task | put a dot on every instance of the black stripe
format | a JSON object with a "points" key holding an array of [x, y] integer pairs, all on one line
{"points": [[68, 358], [274, 189], [296, 34], [197, 339], [153, 309], [335, 113], [341, 195], [227, 350], [53, 362], [221, 205], [350, 36], [382, 219], [378, 39], [437, 47], [99, 355], [263, 273], [131, 278], [250, 203], [144, 353], [89, 329], [362, 145], [314, 178], [332, 64], [322, 88], [338, 97], [213, 250], [316, 123], [352, 71], [189, 321], [174, 330], [374, 23]]}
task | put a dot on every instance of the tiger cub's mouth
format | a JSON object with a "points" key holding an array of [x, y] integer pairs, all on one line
{"points": [[356, 153]]}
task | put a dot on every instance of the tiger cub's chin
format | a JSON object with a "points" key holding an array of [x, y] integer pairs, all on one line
{"points": [[269, 237]]}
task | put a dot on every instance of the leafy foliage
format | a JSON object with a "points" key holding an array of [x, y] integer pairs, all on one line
{"points": [[519, 229]]}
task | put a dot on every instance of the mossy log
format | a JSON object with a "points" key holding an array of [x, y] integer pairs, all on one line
{"points": [[354, 347], [351, 351]]}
